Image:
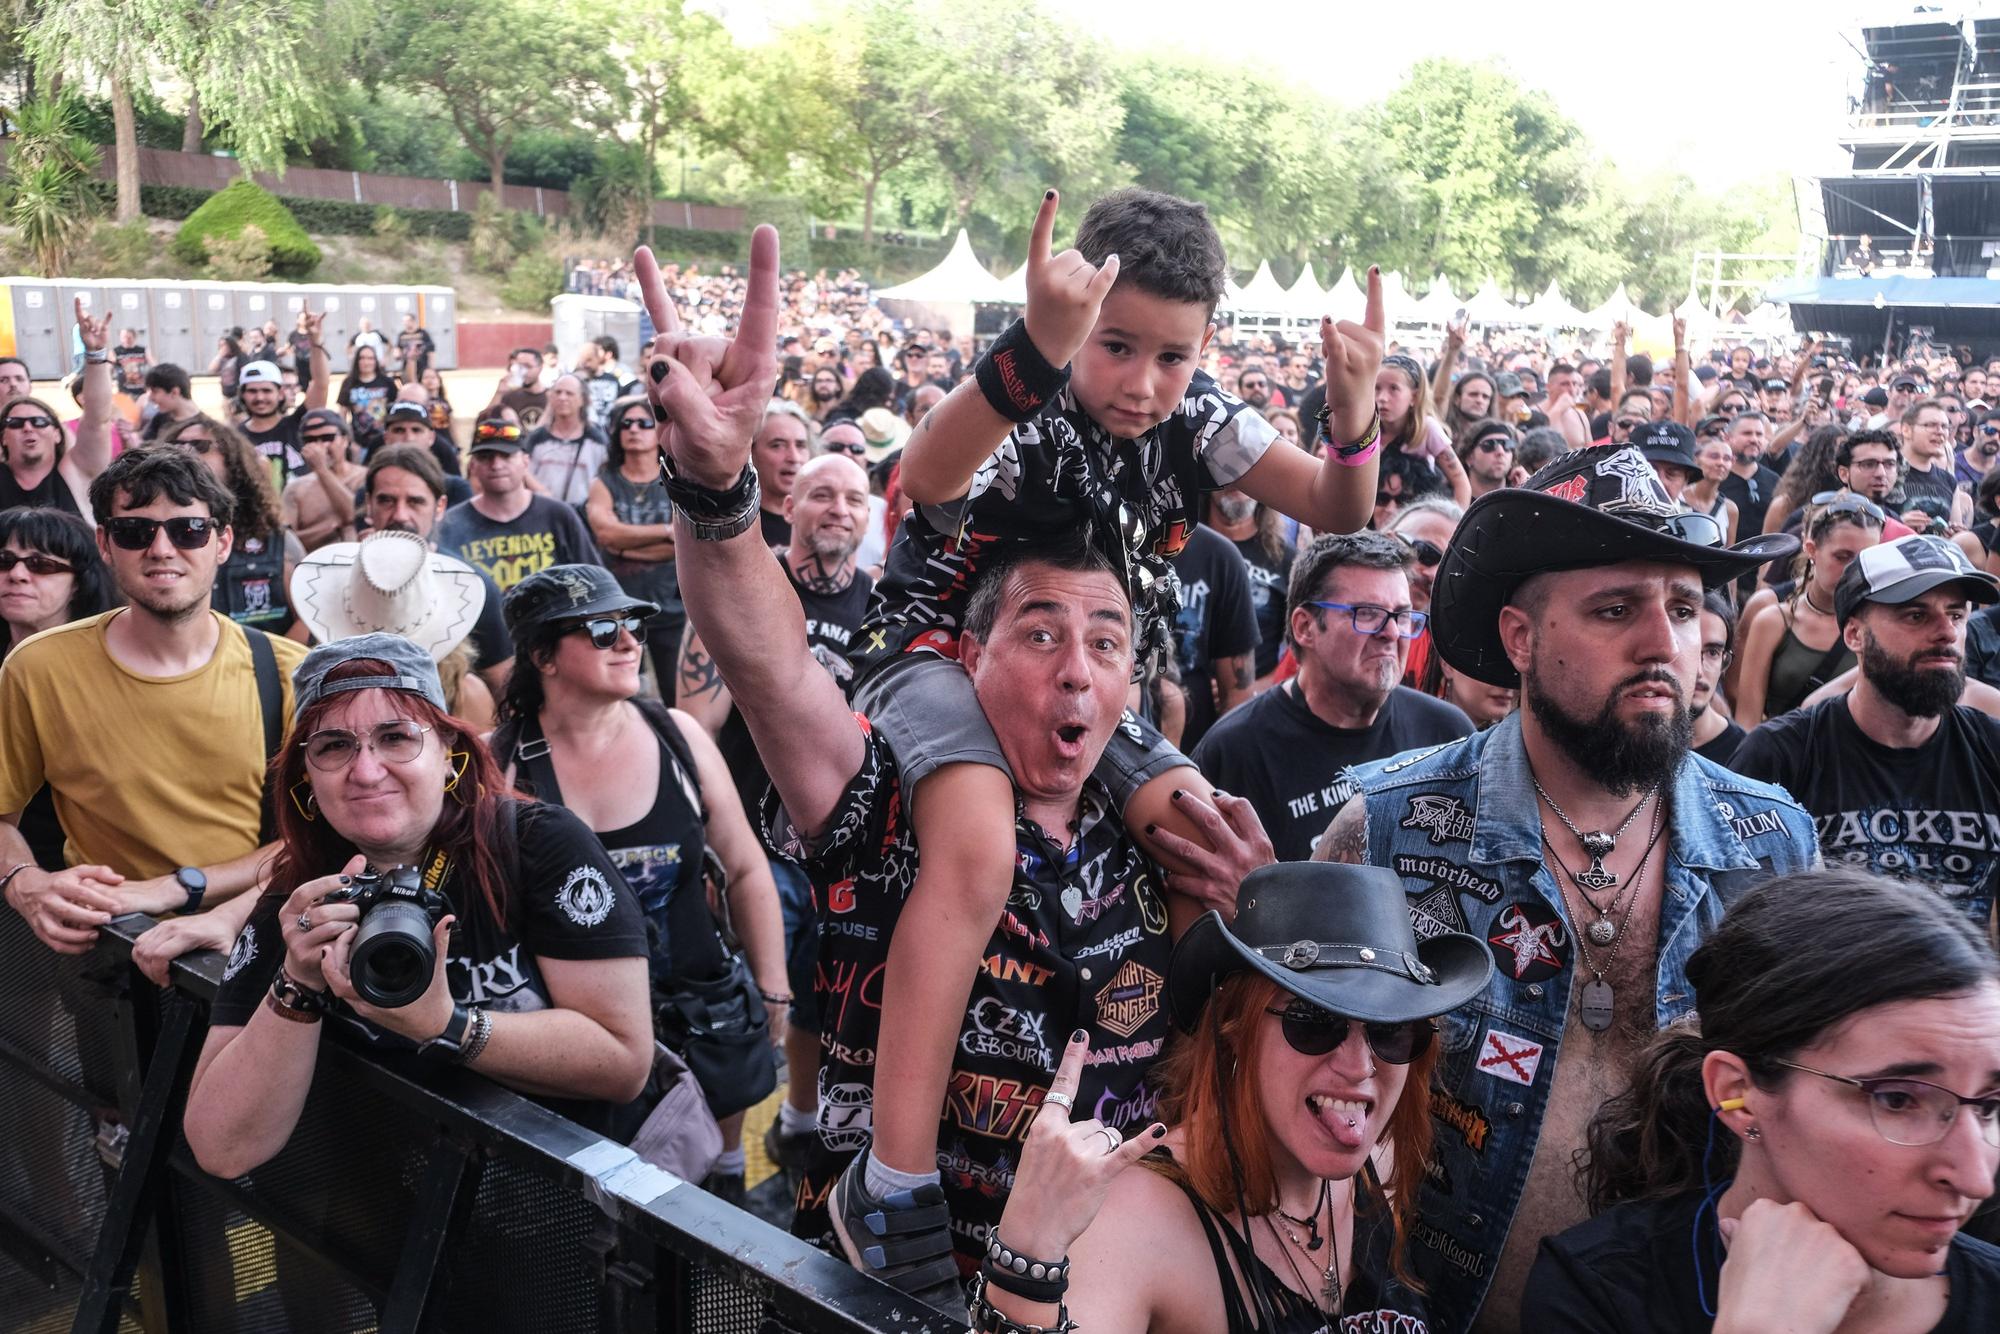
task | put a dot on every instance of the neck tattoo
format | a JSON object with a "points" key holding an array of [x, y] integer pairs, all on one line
{"points": [[816, 576]]}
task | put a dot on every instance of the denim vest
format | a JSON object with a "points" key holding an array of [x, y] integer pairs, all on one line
{"points": [[1460, 824]]}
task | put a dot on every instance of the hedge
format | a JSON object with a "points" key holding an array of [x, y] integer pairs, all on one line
{"points": [[244, 203]]}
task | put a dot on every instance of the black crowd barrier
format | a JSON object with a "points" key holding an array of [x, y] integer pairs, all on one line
{"points": [[447, 1205]]}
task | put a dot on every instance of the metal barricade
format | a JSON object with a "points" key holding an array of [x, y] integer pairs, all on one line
{"points": [[407, 1199]]}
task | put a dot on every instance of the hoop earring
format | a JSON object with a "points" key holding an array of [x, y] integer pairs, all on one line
{"points": [[463, 760], [309, 806]]}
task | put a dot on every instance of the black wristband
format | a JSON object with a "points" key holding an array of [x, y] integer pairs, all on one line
{"points": [[1015, 377]]}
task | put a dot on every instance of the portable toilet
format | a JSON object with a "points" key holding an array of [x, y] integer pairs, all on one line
{"points": [[437, 311], [172, 328], [32, 331]]}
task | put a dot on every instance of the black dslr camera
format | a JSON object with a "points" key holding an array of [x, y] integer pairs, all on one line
{"points": [[392, 959]]}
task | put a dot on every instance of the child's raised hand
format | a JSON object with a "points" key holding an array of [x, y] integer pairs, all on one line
{"points": [[1065, 291]]}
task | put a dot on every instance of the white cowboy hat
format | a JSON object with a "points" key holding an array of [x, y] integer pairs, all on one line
{"points": [[390, 581]]}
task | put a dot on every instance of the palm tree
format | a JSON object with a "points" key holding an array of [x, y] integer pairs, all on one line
{"points": [[49, 196]]}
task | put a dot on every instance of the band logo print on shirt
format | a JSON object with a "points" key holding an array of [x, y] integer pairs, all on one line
{"points": [[1445, 819]]}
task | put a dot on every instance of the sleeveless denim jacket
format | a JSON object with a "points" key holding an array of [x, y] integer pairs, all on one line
{"points": [[1460, 824]]}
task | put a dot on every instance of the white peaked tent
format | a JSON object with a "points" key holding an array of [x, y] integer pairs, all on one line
{"points": [[1261, 295], [1438, 305], [946, 295], [1488, 306], [1345, 300], [1398, 306], [1552, 310], [1618, 306], [1014, 287], [1304, 299]]}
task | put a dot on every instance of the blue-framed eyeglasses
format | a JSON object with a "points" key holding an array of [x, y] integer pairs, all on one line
{"points": [[1372, 620]]}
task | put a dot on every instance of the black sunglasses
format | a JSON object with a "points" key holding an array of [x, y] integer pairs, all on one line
{"points": [[199, 444], [635, 423], [326, 438], [190, 533], [1428, 553], [1847, 502], [38, 421], [603, 631], [1311, 1031], [36, 562]]}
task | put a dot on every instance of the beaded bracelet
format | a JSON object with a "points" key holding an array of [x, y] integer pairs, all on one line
{"points": [[1035, 1280], [987, 1320]]}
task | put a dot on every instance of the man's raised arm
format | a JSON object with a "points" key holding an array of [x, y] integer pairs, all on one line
{"points": [[711, 393]]}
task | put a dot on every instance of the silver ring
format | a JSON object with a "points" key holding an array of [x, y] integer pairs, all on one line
{"points": [[1055, 1099], [1112, 1135], [305, 920]]}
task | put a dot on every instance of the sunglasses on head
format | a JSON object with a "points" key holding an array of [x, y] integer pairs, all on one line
{"points": [[496, 431], [37, 420], [603, 630], [189, 533], [1847, 502], [1312, 1031], [36, 562]]}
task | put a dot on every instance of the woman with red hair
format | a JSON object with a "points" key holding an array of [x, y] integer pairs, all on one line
{"points": [[1282, 1198], [535, 971]]}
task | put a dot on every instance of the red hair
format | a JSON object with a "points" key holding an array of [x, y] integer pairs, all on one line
{"points": [[468, 829], [1209, 1082]]}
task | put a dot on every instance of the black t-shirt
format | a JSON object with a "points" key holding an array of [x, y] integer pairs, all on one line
{"points": [[1752, 496], [546, 533], [600, 391], [367, 403], [776, 530], [1633, 1270], [1268, 577], [1929, 813], [491, 644], [280, 444], [51, 493], [831, 620], [1217, 620], [131, 365], [567, 902], [1290, 764], [1938, 484], [1721, 748], [415, 348]]}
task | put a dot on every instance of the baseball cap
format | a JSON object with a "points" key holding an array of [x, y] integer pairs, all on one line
{"points": [[1878, 397], [410, 669], [567, 593], [407, 412], [322, 417], [1508, 385], [1907, 568], [497, 435], [1775, 385], [260, 372], [1905, 382], [1666, 442], [1705, 373]]}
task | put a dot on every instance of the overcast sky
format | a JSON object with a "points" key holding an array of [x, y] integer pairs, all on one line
{"points": [[1722, 92]]}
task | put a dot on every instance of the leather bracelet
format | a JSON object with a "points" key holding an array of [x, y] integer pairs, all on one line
{"points": [[284, 1011], [8, 879], [1014, 377], [715, 516], [100, 358], [988, 1320], [1036, 1280], [290, 995], [776, 997]]}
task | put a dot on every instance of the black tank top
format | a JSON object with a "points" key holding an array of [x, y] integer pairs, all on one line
{"points": [[1373, 1302]]}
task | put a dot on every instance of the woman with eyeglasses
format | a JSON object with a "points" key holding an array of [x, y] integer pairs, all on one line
{"points": [[1802, 1156], [633, 522], [530, 970], [1793, 648], [653, 787], [252, 586], [1279, 1194]]}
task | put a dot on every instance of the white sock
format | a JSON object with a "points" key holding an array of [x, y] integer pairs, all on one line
{"points": [[792, 1121], [881, 1180], [730, 1164]]}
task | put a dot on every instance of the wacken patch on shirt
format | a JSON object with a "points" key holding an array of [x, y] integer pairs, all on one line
{"points": [[241, 953], [585, 897]]}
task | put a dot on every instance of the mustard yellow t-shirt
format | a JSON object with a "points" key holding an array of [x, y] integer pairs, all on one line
{"points": [[149, 772]]}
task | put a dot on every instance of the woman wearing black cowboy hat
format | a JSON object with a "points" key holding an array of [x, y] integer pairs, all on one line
{"points": [[1310, 1044]]}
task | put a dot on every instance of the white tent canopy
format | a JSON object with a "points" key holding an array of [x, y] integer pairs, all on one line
{"points": [[1397, 303], [1436, 306], [1304, 300], [1552, 310], [1345, 300], [1618, 306], [1488, 306], [1261, 295], [958, 279], [1014, 287]]}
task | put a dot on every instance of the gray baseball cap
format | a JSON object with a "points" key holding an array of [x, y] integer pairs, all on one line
{"points": [[410, 668]]}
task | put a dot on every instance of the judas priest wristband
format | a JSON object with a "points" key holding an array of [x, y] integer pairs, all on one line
{"points": [[1015, 377]]}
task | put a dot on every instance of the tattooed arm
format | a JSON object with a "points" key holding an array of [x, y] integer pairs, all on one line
{"points": [[1346, 838], [1234, 681], [699, 691]]}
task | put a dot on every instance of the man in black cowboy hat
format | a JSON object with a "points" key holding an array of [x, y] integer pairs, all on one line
{"points": [[1577, 836]]}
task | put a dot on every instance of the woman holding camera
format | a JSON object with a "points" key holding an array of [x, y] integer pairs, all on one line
{"points": [[539, 972], [1803, 1158], [1282, 1199]]}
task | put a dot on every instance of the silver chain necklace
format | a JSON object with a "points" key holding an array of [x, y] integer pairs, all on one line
{"points": [[1597, 1003], [1596, 844]]}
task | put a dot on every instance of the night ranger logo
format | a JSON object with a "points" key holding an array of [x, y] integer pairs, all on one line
{"points": [[1443, 818]]}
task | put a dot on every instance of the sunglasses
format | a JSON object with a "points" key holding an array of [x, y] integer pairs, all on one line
{"points": [[1428, 553], [635, 424], [1311, 1031], [38, 421], [855, 447], [603, 631], [195, 444], [327, 439], [496, 431], [1847, 502], [190, 533], [1493, 442], [1630, 423], [36, 562]]}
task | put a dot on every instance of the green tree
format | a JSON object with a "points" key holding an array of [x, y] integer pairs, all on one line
{"points": [[658, 52], [498, 66], [1670, 220]]}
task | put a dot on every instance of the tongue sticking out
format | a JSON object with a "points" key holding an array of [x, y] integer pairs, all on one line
{"points": [[1342, 1121]]}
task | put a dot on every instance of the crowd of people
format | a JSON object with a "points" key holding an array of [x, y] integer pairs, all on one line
{"points": [[1217, 831]]}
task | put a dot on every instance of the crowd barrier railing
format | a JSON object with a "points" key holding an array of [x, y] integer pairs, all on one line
{"points": [[404, 1201]]}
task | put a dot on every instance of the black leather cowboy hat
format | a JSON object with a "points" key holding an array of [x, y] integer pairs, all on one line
{"points": [[1338, 936], [1593, 507]]}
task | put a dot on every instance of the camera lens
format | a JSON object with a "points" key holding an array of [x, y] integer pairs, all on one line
{"points": [[392, 959]]}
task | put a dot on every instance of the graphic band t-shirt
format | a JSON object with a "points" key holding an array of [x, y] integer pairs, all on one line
{"points": [[132, 364], [1930, 813], [546, 533], [367, 403], [1268, 577], [1290, 765], [1060, 473], [568, 902], [280, 444], [1217, 621], [1082, 943]]}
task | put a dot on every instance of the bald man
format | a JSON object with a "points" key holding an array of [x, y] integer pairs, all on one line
{"points": [[828, 512]]}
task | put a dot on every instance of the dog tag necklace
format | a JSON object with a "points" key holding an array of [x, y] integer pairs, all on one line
{"points": [[1597, 1003], [1597, 844]]}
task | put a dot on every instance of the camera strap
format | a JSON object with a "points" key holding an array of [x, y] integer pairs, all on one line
{"points": [[435, 865]]}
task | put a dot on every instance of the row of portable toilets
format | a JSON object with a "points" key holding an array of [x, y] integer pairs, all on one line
{"points": [[183, 322]]}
